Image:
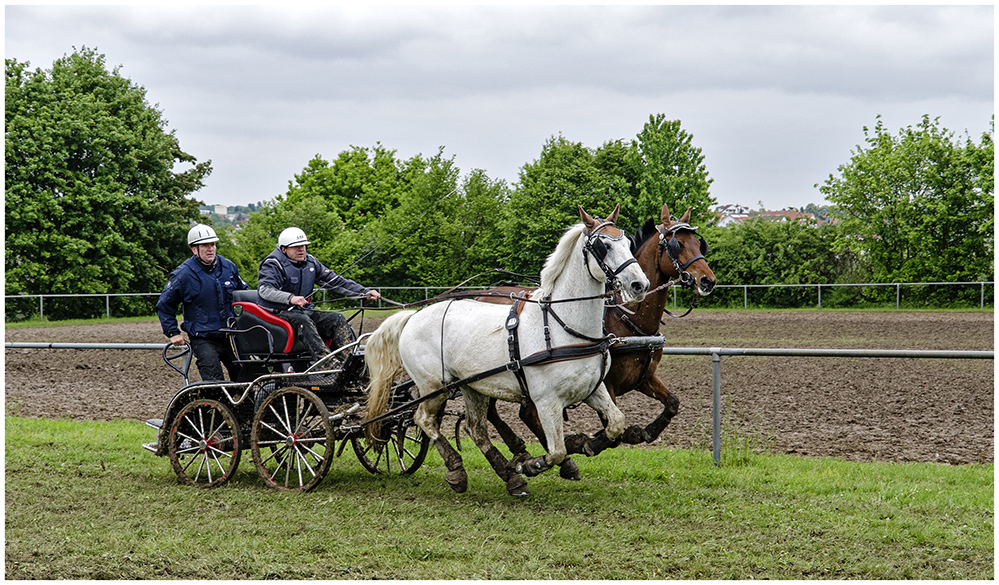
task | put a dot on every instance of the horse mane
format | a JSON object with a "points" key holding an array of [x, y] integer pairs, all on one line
{"points": [[642, 235], [558, 260]]}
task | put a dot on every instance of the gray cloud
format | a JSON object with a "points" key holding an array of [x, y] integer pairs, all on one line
{"points": [[776, 96]]}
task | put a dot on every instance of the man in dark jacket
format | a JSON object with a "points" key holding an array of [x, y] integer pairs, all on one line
{"points": [[204, 285], [286, 280]]}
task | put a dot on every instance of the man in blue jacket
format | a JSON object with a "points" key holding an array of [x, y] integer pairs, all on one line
{"points": [[204, 285], [286, 280]]}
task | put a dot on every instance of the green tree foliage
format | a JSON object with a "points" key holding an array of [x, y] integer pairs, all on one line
{"points": [[671, 170], [760, 251], [93, 203], [410, 222], [544, 203], [333, 202], [919, 205], [359, 184], [444, 230]]}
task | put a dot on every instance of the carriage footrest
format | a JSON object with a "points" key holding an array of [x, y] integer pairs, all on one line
{"points": [[150, 447], [156, 423]]}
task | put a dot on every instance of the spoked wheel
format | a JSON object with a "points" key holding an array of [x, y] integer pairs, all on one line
{"points": [[292, 440], [403, 453], [204, 444]]}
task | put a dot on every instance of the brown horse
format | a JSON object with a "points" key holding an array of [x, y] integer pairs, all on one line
{"points": [[668, 253]]}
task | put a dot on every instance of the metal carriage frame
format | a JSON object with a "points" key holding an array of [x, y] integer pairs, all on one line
{"points": [[293, 423]]}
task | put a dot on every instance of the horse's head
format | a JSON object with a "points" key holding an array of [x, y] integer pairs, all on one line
{"points": [[682, 251], [608, 251]]}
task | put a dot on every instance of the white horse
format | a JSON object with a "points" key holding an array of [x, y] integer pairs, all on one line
{"points": [[456, 340]]}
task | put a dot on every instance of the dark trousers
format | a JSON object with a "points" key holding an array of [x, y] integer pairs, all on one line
{"points": [[312, 327], [211, 353]]}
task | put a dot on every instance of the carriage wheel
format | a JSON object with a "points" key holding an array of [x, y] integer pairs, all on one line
{"points": [[403, 453], [204, 444], [292, 440]]}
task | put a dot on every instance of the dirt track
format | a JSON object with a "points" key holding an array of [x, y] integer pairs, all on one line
{"points": [[855, 408]]}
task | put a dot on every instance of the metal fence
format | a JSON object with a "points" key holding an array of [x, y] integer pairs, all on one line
{"points": [[427, 292], [715, 352], [818, 288]]}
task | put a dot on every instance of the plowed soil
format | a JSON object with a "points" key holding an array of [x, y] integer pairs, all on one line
{"points": [[862, 409]]}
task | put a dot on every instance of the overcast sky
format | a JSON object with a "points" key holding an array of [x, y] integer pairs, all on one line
{"points": [[776, 97]]}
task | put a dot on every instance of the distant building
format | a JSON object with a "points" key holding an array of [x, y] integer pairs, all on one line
{"points": [[779, 216], [221, 210], [731, 213]]}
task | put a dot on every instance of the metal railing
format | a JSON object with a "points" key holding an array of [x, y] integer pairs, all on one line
{"points": [[898, 289], [717, 352], [714, 352], [431, 291]]}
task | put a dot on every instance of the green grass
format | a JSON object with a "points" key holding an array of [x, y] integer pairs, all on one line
{"points": [[84, 501]]}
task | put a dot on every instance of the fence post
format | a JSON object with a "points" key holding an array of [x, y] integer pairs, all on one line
{"points": [[981, 302], [107, 306], [898, 293], [716, 405], [745, 297], [41, 307], [820, 296]]}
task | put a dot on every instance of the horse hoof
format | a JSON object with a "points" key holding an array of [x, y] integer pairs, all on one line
{"points": [[458, 480], [519, 459], [598, 443], [576, 443], [533, 467], [634, 435], [517, 486], [569, 470]]}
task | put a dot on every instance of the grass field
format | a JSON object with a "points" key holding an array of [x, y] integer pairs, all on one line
{"points": [[84, 501]]}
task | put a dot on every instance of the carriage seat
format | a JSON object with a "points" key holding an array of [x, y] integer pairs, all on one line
{"points": [[252, 319]]}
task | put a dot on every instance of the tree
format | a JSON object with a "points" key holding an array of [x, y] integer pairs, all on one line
{"points": [[672, 171], [360, 184], [93, 203], [544, 202], [919, 204], [760, 251]]}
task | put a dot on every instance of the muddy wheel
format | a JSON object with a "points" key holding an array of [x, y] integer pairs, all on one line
{"points": [[204, 444], [292, 440], [403, 453]]}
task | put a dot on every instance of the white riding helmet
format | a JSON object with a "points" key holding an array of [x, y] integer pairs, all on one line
{"points": [[201, 234], [292, 237]]}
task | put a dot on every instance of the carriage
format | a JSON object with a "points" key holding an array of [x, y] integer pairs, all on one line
{"points": [[293, 415]]}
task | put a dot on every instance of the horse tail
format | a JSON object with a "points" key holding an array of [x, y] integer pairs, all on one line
{"points": [[384, 363]]}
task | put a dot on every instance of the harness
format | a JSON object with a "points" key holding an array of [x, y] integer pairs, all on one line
{"points": [[516, 364], [596, 345], [672, 246]]}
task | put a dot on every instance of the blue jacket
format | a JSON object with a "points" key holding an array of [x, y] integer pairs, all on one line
{"points": [[206, 294], [279, 279]]}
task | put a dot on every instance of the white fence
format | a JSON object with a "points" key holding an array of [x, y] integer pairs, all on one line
{"points": [[431, 291]]}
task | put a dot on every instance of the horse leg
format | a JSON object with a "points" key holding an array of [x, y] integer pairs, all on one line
{"points": [[517, 446], [601, 402], [477, 407], [567, 469], [550, 416], [655, 388], [426, 418]]}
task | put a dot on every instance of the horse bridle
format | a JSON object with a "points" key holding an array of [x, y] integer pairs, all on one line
{"points": [[595, 245], [673, 247]]}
